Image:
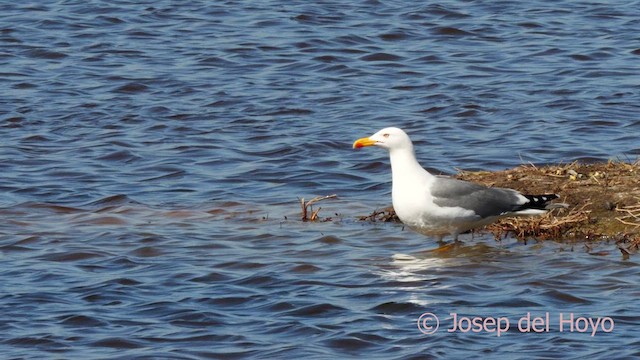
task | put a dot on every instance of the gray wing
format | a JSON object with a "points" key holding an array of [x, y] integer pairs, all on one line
{"points": [[484, 201]]}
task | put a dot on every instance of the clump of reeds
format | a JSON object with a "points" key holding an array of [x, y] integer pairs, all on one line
{"points": [[308, 214]]}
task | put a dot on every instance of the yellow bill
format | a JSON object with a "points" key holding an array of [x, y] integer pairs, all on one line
{"points": [[365, 141]]}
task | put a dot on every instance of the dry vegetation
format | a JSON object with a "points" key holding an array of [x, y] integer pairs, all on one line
{"points": [[307, 212], [603, 198]]}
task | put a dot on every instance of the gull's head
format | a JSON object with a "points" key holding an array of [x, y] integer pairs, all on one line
{"points": [[390, 138]]}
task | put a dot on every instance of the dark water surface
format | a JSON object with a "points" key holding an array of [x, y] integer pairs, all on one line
{"points": [[153, 153]]}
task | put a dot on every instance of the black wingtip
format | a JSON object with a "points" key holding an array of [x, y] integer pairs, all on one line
{"points": [[538, 201]]}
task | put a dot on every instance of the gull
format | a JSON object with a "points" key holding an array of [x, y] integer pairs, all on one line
{"points": [[437, 205]]}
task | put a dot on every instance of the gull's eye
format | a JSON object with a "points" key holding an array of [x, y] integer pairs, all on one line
{"points": [[386, 135]]}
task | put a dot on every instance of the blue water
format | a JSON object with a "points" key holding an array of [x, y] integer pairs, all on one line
{"points": [[153, 154]]}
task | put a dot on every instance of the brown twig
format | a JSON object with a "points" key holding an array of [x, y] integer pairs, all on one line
{"points": [[306, 207], [632, 213]]}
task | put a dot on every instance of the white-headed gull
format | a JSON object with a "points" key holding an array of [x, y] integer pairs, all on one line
{"points": [[440, 205]]}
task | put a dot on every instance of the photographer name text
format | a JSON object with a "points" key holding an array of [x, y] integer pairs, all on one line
{"points": [[428, 323]]}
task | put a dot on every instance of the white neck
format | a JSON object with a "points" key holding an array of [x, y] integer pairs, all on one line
{"points": [[409, 185], [405, 169]]}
